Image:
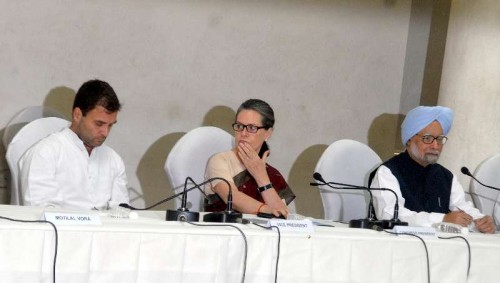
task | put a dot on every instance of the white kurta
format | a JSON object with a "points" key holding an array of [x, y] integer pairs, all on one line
{"points": [[384, 201], [59, 172]]}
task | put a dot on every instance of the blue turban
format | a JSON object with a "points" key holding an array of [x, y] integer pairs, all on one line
{"points": [[420, 117]]}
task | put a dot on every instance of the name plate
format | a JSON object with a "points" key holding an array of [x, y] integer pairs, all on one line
{"points": [[59, 218], [418, 231], [303, 226]]}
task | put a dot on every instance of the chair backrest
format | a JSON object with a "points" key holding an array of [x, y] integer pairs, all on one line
{"points": [[25, 116], [485, 198], [349, 162], [189, 157], [22, 141]]}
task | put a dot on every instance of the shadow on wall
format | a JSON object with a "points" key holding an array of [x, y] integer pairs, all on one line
{"points": [[4, 174], [151, 175], [384, 135], [61, 99], [150, 171], [220, 117], [308, 201]]}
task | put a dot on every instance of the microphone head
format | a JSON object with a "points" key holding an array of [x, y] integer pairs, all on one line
{"points": [[317, 176], [465, 171], [125, 205]]}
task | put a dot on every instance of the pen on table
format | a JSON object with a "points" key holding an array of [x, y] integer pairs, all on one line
{"points": [[461, 210]]}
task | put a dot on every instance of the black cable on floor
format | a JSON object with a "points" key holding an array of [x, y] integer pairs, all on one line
{"points": [[244, 238], [279, 244], [426, 251], [468, 247], [56, 239]]}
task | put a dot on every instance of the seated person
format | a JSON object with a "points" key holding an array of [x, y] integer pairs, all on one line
{"points": [[73, 168], [428, 193], [256, 186]]}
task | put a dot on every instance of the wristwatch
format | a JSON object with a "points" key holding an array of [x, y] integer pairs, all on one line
{"points": [[265, 187]]}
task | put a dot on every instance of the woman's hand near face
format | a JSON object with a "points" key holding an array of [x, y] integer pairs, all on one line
{"points": [[257, 168], [255, 165]]}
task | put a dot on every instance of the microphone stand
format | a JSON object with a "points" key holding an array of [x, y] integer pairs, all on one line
{"points": [[227, 216], [183, 194], [389, 224], [370, 215], [369, 222], [365, 223], [466, 171], [182, 213]]}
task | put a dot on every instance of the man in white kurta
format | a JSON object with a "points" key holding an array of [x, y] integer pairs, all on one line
{"points": [[427, 192], [73, 169], [59, 172]]}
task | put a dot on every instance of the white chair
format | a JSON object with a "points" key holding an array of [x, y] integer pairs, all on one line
{"points": [[486, 199], [349, 162], [22, 141], [189, 157], [23, 117]]}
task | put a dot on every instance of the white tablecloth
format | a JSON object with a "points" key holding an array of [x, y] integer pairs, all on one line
{"points": [[150, 249]]}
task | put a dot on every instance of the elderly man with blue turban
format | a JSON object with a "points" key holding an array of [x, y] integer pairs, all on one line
{"points": [[428, 193]]}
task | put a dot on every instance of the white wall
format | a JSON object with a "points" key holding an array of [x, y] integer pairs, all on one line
{"points": [[331, 70], [470, 84]]}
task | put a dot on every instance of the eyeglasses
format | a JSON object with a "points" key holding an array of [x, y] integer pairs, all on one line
{"points": [[428, 139], [250, 128]]}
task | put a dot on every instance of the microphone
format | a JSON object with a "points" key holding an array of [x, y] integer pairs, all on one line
{"points": [[369, 222], [227, 216], [126, 205], [317, 176], [466, 171]]}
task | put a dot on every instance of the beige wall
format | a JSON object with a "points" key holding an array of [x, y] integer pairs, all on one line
{"points": [[471, 84], [331, 69]]}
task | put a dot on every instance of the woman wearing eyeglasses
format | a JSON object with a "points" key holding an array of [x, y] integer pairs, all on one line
{"points": [[257, 187]]}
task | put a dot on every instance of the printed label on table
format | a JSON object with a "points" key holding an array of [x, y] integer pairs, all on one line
{"points": [[304, 226], [59, 218], [419, 231]]}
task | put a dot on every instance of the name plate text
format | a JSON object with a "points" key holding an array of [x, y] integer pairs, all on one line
{"points": [[303, 226], [59, 218]]}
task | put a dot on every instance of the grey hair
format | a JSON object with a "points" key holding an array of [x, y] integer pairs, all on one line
{"points": [[261, 107]]}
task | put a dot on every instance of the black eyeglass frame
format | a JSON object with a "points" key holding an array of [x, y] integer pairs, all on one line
{"points": [[428, 139], [248, 127]]}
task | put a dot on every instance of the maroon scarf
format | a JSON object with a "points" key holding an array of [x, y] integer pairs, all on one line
{"points": [[247, 185]]}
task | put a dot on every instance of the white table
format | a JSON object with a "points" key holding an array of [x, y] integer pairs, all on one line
{"points": [[150, 249]]}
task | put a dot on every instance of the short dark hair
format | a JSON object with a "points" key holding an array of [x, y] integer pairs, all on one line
{"points": [[261, 107], [96, 93]]}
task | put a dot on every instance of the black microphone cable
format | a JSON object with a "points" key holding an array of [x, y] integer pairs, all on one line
{"points": [[279, 245], [467, 172], [468, 248], [244, 238], [426, 251], [342, 186], [197, 186], [337, 187], [184, 196], [56, 239]]}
